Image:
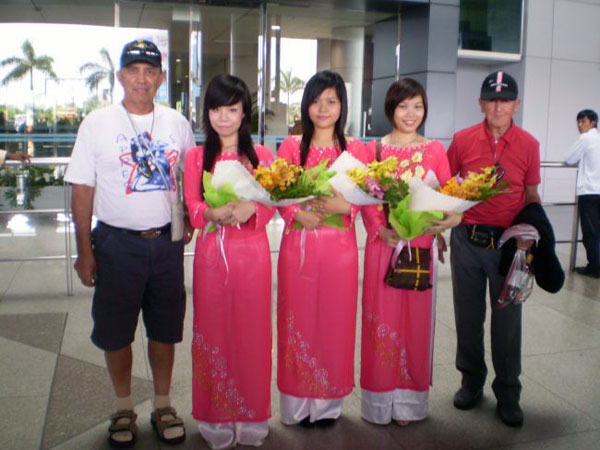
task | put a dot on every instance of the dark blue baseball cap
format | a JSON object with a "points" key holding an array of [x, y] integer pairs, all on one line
{"points": [[141, 51]]}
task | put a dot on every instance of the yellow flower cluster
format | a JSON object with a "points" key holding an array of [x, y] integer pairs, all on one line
{"points": [[477, 186], [376, 170], [279, 175]]}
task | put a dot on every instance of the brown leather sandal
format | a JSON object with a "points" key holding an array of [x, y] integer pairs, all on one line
{"points": [[165, 420], [122, 428]]}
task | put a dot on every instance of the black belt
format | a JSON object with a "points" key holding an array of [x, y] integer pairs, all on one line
{"points": [[486, 236], [486, 229], [151, 233]]}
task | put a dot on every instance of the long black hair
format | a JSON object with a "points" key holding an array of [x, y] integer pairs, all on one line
{"points": [[315, 86], [227, 90]]}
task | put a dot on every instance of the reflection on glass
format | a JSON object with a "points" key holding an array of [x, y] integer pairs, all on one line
{"points": [[39, 113], [19, 226], [223, 40], [491, 25], [303, 41]]}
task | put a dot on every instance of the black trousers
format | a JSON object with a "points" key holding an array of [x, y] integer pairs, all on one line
{"points": [[474, 269], [589, 214]]}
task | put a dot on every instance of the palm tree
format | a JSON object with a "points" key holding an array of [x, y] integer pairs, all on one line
{"points": [[99, 72], [27, 64], [289, 85]]}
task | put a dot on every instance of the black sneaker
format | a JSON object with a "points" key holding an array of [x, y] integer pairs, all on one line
{"points": [[510, 414], [466, 398]]}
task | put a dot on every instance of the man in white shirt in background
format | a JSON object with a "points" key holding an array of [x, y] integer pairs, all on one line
{"points": [[586, 153]]}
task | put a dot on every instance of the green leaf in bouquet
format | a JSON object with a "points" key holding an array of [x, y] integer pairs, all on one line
{"points": [[486, 192], [334, 221], [217, 197], [314, 172], [322, 186], [331, 221], [411, 224]]}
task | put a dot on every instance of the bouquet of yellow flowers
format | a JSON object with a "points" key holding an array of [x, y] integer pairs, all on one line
{"points": [[476, 187], [286, 181], [457, 194], [373, 183], [277, 184], [380, 180]]}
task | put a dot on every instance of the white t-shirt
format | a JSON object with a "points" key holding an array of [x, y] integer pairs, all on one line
{"points": [[133, 167], [586, 152]]}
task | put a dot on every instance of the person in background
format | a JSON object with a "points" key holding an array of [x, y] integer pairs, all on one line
{"points": [[585, 152], [130, 258], [231, 346], [474, 256], [21, 157], [318, 270], [398, 324]]}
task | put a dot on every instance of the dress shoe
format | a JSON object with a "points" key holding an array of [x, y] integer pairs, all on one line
{"points": [[306, 423], [587, 271], [325, 423], [510, 414], [466, 398]]}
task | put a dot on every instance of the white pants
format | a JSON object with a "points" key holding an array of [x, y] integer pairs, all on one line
{"points": [[399, 404], [229, 434], [295, 409]]}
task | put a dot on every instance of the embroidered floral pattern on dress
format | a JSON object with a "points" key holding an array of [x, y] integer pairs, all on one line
{"points": [[318, 154], [388, 348], [296, 355], [210, 372]]}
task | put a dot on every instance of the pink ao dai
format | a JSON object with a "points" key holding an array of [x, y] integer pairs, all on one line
{"points": [[317, 297], [231, 347], [397, 325]]}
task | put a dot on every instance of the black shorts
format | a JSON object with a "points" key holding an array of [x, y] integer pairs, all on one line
{"points": [[135, 273]]}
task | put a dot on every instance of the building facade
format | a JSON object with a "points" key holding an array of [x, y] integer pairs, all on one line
{"points": [[550, 46]]}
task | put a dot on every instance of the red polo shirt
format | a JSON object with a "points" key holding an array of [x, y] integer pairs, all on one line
{"points": [[517, 152]]}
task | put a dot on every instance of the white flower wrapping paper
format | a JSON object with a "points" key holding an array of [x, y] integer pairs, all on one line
{"points": [[342, 183], [245, 186], [424, 197]]}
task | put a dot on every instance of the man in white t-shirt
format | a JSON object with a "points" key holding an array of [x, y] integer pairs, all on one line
{"points": [[124, 170], [586, 153]]}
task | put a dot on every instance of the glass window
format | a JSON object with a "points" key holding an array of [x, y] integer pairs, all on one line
{"points": [[302, 41], [223, 40], [490, 26]]}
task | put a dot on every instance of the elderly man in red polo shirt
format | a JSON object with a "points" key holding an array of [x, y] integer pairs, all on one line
{"points": [[496, 141]]}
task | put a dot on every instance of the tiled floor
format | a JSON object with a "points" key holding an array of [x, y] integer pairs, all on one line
{"points": [[55, 393]]}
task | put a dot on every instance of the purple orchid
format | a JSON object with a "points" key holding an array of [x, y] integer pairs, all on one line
{"points": [[374, 188]]}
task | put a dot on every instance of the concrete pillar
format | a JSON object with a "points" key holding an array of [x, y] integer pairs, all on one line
{"points": [[347, 55], [428, 53], [385, 46]]}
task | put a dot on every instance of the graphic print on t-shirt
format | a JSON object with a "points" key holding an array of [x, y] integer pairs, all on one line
{"points": [[150, 164]]}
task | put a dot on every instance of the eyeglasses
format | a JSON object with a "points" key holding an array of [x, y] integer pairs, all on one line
{"points": [[499, 172]]}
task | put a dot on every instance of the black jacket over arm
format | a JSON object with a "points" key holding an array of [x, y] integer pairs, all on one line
{"points": [[548, 272]]}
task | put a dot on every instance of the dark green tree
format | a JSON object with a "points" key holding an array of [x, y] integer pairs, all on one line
{"points": [[26, 64], [104, 70]]}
